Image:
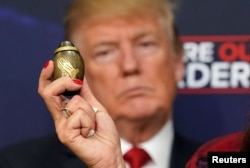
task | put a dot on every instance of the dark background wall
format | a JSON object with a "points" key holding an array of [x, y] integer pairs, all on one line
{"points": [[31, 30]]}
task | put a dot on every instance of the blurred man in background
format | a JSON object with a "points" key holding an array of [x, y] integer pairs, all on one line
{"points": [[133, 61]]}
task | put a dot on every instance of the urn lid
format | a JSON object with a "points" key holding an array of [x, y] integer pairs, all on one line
{"points": [[66, 46]]}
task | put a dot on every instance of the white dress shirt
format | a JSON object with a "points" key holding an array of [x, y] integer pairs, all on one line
{"points": [[158, 147]]}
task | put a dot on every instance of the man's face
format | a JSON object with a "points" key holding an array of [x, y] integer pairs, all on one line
{"points": [[130, 66]]}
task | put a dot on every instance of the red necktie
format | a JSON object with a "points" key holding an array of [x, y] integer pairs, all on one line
{"points": [[136, 157]]}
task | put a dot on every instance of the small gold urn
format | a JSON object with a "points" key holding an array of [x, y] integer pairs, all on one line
{"points": [[68, 62]]}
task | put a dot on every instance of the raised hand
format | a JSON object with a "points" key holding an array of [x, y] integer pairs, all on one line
{"points": [[91, 135]]}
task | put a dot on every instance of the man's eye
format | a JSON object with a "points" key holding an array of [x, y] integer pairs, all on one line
{"points": [[105, 56], [146, 47], [103, 53], [147, 44]]}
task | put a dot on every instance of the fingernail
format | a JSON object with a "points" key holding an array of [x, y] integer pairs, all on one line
{"points": [[46, 64], [77, 81], [95, 125], [95, 109], [91, 132]]}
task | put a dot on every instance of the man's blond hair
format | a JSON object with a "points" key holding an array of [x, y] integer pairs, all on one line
{"points": [[82, 10]]}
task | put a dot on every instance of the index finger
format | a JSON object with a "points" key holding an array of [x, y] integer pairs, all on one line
{"points": [[45, 76], [87, 94]]}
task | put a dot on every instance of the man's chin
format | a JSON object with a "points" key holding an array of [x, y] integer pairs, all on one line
{"points": [[138, 109], [135, 107]]}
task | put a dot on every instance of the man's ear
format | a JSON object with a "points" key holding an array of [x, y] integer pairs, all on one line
{"points": [[179, 67]]}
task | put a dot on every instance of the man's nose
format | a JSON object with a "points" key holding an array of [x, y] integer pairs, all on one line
{"points": [[129, 62]]}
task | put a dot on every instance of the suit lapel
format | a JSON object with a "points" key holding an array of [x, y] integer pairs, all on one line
{"points": [[182, 151]]}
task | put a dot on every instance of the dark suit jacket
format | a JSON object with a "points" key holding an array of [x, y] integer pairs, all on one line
{"points": [[48, 152]]}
